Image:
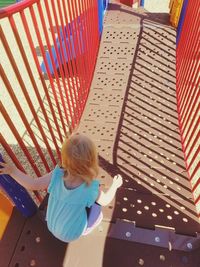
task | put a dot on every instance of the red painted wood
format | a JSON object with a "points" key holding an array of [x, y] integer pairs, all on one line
{"points": [[187, 87]]}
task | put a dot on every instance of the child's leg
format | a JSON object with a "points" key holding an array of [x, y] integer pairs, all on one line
{"points": [[95, 216]]}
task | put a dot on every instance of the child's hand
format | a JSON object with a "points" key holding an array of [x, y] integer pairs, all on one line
{"points": [[117, 180], [7, 168]]}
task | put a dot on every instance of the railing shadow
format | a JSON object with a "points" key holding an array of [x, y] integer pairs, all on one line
{"points": [[147, 149]]}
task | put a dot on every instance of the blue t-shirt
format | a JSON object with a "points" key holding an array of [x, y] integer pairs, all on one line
{"points": [[66, 212]]}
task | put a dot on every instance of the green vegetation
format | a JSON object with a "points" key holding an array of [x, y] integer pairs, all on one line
{"points": [[4, 3]]}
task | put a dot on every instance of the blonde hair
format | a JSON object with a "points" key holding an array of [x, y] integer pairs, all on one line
{"points": [[79, 157]]}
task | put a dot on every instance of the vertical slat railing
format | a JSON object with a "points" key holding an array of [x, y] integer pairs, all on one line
{"points": [[188, 94], [40, 108]]}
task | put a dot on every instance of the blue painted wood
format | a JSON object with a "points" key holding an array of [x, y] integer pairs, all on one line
{"points": [[100, 15], [61, 45], [181, 20], [18, 194], [142, 3], [105, 4]]}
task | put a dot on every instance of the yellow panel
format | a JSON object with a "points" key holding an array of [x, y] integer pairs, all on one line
{"points": [[175, 11], [6, 208]]}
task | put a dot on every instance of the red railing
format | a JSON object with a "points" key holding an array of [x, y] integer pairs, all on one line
{"points": [[130, 2], [49, 50], [188, 93]]}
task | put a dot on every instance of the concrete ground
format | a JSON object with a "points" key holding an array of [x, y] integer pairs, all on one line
{"points": [[157, 6]]}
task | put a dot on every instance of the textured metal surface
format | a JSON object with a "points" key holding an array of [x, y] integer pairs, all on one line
{"points": [[160, 237], [131, 115], [10, 238], [110, 252], [37, 247], [135, 206]]}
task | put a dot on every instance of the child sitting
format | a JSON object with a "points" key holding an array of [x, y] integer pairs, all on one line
{"points": [[75, 200]]}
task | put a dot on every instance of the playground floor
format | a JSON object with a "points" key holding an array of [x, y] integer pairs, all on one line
{"points": [[131, 115]]}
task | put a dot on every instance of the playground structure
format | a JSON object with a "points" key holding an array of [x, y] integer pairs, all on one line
{"points": [[56, 104]]}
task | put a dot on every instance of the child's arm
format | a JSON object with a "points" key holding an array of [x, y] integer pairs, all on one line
{"points": [[24, 179], [106, 197]]}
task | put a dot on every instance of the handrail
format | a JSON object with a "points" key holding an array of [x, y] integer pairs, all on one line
{"points": [[17, 7], [188, 93], [49, 51]]}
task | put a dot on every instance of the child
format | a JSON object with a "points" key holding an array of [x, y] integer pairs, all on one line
{"points": [[75, 200]]}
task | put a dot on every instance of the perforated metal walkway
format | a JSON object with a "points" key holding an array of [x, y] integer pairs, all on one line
{"points": [[131, 115]]}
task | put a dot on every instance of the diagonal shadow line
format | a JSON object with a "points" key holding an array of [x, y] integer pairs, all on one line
{"points": [[158, 68], [41, 119], [155, 53], [50, 119], [155, 37], [155, 144], [157, 49], [120, 125], [138, 90], [168, 33], [147, 75], [153, 98], [153, 91], [152, 109], [46, 129], [158, 191], [156, 46], [155, 59], [150, 118], [148, 140], [146, 131], [159, 163], [124, 170], [134, 60], [149, 148], [154, 170], [149, 68], [155, 87], [143, 74], [114, 169]]}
